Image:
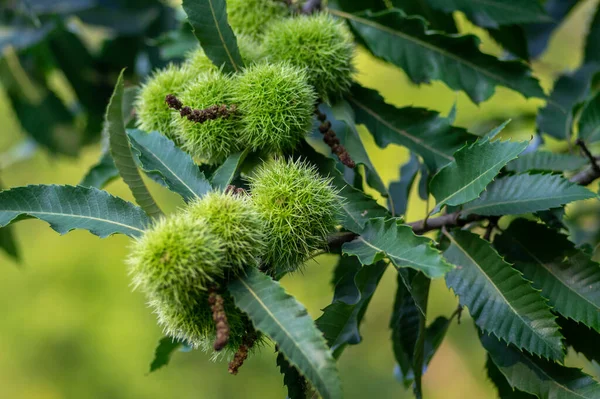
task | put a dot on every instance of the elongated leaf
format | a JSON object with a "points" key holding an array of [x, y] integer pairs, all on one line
{"points": [[7, 240], [340, 321], [400, 190], [500, 301], [389, 238], [520, 194], [162, 354], [437, 20], [578, 336], [592, 44], [67, 208], [567, 276], [209, 23], [589, 122], [505, 391], [556, 118], [225, 174], [279, 316], [295, 383], [539, 377], [121, 151], [342, 119], [161, 159], [546, 161], [493, 13], [101, 173], [475, 167], [512, 39], [429, 55], [422, 131], [357, 207]]}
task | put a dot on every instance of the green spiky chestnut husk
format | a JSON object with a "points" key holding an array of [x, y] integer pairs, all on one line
{"points": [[300, 209], [175, 264], [320, 45], [151, 109], [250, 17], [213, 140], [276, 104], [250, 50], [234, 219]]}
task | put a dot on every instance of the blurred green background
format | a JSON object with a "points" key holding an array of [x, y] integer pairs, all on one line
{"points": [[70, 326]]}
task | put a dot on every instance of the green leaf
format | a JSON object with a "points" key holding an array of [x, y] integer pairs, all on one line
{"points": [[428, 55], [7, 239], [225, 174], [67, 208], [390, 238], [162, 160], [520, 194], [500, 301], [209, 23], [556, 118], [512, 38], [400, 190], [539, 377], [357, 208], [422, 131], [546, 161], [342, 119], [340, 320], [279, 316], [578, 336], [505, 391], [295, 383], [162, 354], [592, 45], [589, 122], [121, 151], [493, 13], [101, 173], [565, 275], [437, 20], [475, 166]]}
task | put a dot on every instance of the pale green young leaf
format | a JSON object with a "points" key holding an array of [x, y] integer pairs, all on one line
{"points": [[520, 194], [568, 277], [391, 239], [498, 298], [209, 23], [168, 165], [121, 152], [280, 317], [73, 207], [429, 55]]}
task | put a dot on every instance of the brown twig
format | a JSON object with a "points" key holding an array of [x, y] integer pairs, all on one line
{"points": [[332, 141], [200, 115], [242, 354], [589, 155], [220, 318]]}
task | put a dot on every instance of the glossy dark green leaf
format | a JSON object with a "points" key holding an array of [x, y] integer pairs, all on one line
{"points": [[8, 243], [525, 193], [162, 354], [592, 44], [67, 208], [556, 118], [579, 336], [505, 391], [437, 20], [512, 38], [429, 55], [569, 278], [474, 167], [121, 152], [400, 190], [295, 383], [589, 121], [209, 22], [101, 173], [422, 131], [167, 164], [500, 301], [493, 13], [546, 161], [539, 377], [280, 317], [225, 174], [391, 239]]}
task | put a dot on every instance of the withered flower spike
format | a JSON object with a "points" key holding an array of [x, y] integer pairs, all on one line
{"points": [[200, 115], [220, 318]]}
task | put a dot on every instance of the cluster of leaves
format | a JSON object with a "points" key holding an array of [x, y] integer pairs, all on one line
{"points": [[532, 286]]}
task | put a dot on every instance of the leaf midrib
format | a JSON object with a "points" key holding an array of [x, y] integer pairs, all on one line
{"points": [[307, 358], [531, 199], [451, 238], [214, 16]]}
